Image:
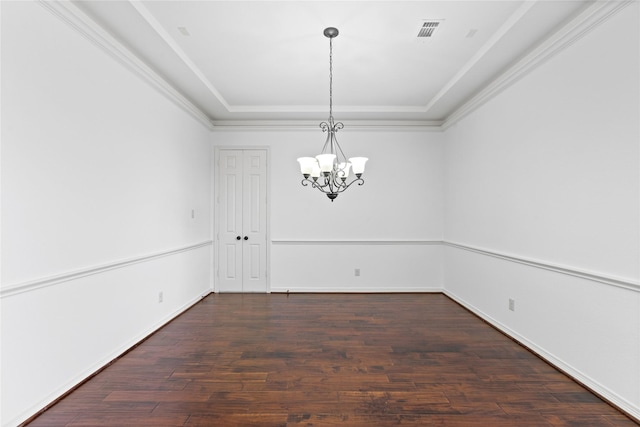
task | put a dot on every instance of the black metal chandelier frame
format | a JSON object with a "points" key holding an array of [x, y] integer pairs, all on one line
{"points": [[334, 181]]}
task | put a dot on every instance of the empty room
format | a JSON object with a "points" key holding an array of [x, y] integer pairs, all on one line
{"points": [[358, 213]]}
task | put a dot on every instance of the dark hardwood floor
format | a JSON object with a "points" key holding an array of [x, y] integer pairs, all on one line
{"points": [[328, 360]]}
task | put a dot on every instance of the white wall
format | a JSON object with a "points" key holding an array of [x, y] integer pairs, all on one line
{"points": [[386, 228], [99, 172], [548, 172]]}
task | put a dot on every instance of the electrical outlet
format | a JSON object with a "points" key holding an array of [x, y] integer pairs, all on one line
{"points": [[357, 272], [512, 304], [160, 296], [193, 213]]}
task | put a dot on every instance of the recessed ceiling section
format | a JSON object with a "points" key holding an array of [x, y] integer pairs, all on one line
{"points": [[268, 60]]}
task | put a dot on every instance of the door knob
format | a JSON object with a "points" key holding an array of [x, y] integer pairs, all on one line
{"points": [[238, 237], [246, 237]]}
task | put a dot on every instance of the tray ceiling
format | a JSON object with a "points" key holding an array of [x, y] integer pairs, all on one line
{"points": [[268, 61]]}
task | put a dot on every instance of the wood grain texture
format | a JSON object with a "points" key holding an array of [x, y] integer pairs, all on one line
{"points": [[327, 360]]}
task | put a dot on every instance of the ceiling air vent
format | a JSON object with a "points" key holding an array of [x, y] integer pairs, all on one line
{"points": [[428, 28]]}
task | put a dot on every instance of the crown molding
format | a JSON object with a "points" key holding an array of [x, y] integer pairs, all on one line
{"points": [[584, 22], [490, 44], [83, 24], [590, 18], [275, 125], [173, 45]]}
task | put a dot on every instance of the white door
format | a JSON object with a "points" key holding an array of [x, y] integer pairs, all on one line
{"points": [[242, 234]]}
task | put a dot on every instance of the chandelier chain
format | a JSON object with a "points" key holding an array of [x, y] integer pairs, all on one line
{"points": [[331, 81]]}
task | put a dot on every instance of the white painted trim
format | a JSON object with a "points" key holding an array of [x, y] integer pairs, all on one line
{"points": [[620, 282], [213, 171], [79, 21], [19, 288], [279, 125], [359, 289], [560, 364], [100, 364], [489, 44], [164, 35], [355, 242], [589, 19]]}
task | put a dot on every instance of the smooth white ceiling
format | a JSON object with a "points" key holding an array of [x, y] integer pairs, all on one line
{"points": [[269, 60]]}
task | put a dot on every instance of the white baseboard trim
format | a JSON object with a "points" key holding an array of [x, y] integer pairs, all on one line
{"points": [[601, 390], [100, 364], [357, 289], [300, 242], [42, 282]]}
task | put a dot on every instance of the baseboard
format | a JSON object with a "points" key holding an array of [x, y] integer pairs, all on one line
{"points": [[594, 386], [357, 289], [99, 366]]}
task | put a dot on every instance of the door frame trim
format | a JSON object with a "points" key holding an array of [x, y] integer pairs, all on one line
{"points": [[215, 229]]}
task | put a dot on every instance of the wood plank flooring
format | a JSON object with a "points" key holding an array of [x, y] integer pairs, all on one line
{"points": [[329, 360]]}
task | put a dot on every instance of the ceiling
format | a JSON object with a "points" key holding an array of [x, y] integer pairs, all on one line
{"points": [[246, 62]]}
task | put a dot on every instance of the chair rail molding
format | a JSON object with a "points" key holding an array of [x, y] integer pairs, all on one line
{"points": [[31, 285], [621, 282]]}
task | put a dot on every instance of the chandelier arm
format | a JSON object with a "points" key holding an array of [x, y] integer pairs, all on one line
{"points": [[325, 189], [360, 181], [344, 158], [326, 142], [314, 184], [332, 183], [318, 185]]}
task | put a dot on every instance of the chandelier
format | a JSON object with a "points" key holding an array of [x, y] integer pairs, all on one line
{"points": [[329, 170]]}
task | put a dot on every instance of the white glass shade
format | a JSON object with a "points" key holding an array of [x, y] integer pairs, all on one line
{"points": [[315, 169], [326, 162], [358, 164], [343, 170], [306, 164]]}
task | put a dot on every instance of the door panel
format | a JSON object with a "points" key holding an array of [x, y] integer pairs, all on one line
{"points": [[231, 270], [242, 198], [255, 221], [230, 255]]}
